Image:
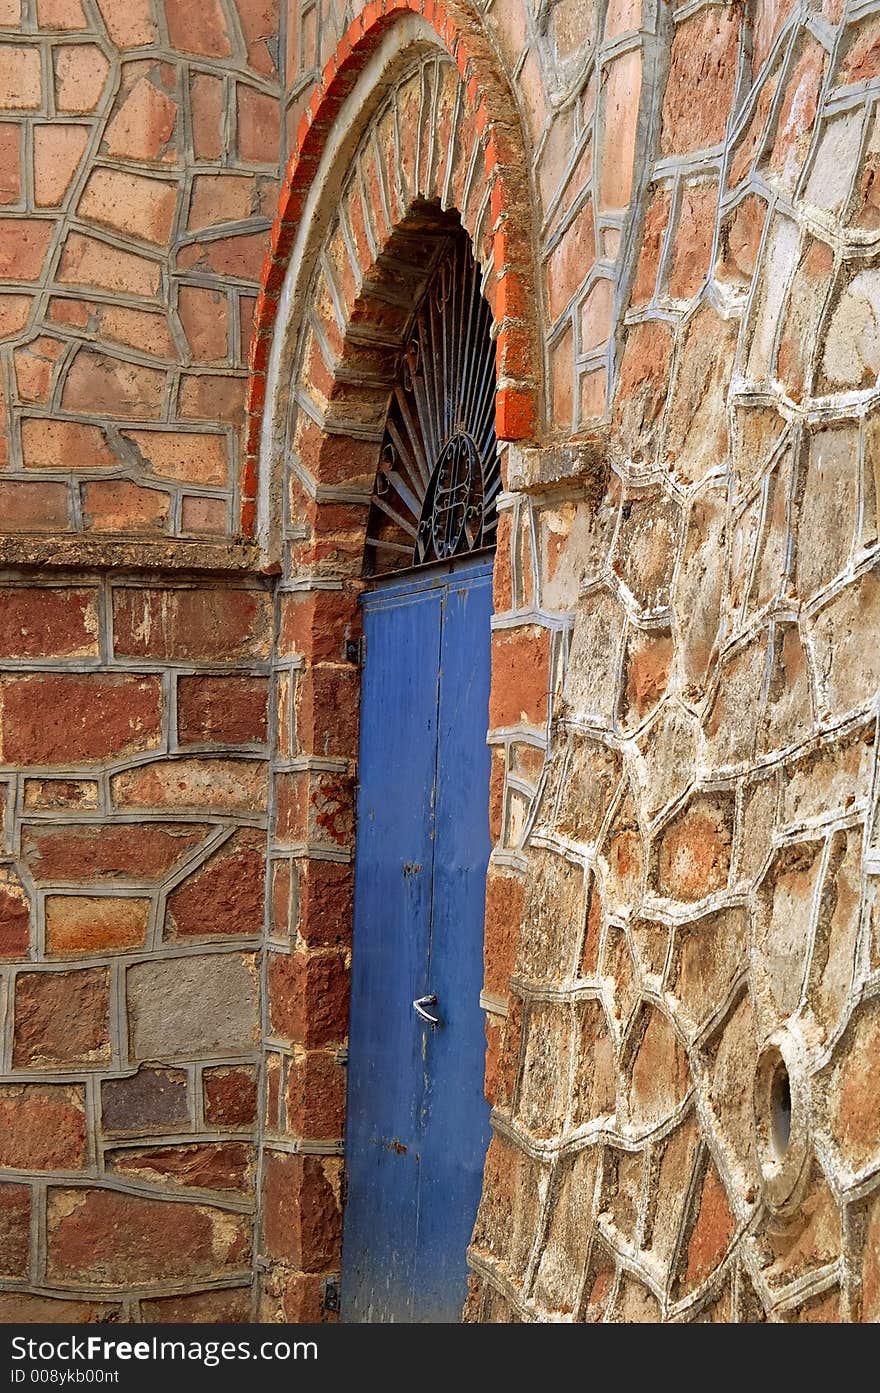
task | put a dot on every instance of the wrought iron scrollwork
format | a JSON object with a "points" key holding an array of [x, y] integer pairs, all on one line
{"points": [[438, 474]]}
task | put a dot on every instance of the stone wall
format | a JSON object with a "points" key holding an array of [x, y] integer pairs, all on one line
{"points": [[676, 213]]}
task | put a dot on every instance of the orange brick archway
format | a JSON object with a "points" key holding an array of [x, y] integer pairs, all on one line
{"points": [[513, 290]]}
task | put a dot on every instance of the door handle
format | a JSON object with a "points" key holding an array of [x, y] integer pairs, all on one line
{"points": [[419, 1007]]}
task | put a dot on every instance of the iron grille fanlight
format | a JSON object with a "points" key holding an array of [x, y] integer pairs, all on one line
{"points": [[438, 476]]}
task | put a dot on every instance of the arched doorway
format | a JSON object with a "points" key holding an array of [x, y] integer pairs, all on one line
{"points": [[417, 1119]]}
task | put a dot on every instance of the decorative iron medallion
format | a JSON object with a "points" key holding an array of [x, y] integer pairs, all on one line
{"points": [[438, 476]]}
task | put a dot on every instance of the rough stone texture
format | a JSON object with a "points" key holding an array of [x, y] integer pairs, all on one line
{"points": [[685, 677]]}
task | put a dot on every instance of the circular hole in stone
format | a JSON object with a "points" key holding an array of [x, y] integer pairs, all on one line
{"points": [[780, 1111]]}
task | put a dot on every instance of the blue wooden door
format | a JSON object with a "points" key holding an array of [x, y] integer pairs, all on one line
{"points": [[417, 1126]]}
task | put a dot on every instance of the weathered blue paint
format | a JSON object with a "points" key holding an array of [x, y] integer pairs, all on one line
{"points": [[417, 1126]]}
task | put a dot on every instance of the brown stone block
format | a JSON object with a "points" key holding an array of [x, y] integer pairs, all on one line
{"points": [[60, 793], [43, 1127], [704, 60], [195, 1165], [23, 247], [58, 150], [505, 901], [259, 126], [37, 623], [15, 1229], [206, 105], [94, 924], [34, 507], [229, 1306], [218, 198], [230, 1096], [259, 22], [198, 30], [88, 261], [222, 710], [21, 84], [695, 848], [35, 368], [152, 1100], [212, 397], [143, 123], [208, 623], [324, 894], [193, 1006], [103, 386], [136, 851], [118, 506], [61, 1018], [80, 74], [308, 997], [622, 83], [61, 14], [47, 444], [316, 1096], [223, 785], [14, 914], [240, 256], [204, 315], [188, 456], [520, 676], [10, 162], [694, 237], [99, 1236], [225, 895], [204, 517], [14, 309], [302, 1217], [67, 718], [327, 704]]}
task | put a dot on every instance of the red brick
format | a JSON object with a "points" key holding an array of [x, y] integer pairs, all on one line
{"points": [[206, 623], [88, 261], [20, 78], [704, 60], [118, 506], [259, 126], [206, 103], [14, 311], [327, 701], [143, 124], [203, 517], [229, 785], [80, 74], [259, 22], [95, 923], [20, 1307], [23, 247], [230, 1096], [308, 997], [240, 255], [15, 1229], [102, 1236], [100, 385], [212, 397], [204, 315], [222, 710], [61, 1018], [201, 1166], [61, 14], [43, 1127], [58, 150], [47, 623], [325, 891], [520, 676], [188, 456], [74, 718], [10, 162], [316, 1096], [504, 914], [35, 368], [14, 915], [712, 1231], [198, 29], [302, 1218], [318, 623], [225, 896], [128, 25]]}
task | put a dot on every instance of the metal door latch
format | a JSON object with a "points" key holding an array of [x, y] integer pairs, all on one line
{"points": [[418, 1006]]}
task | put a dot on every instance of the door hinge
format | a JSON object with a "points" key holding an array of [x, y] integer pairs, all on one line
{"points": [[330, 1295]]}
